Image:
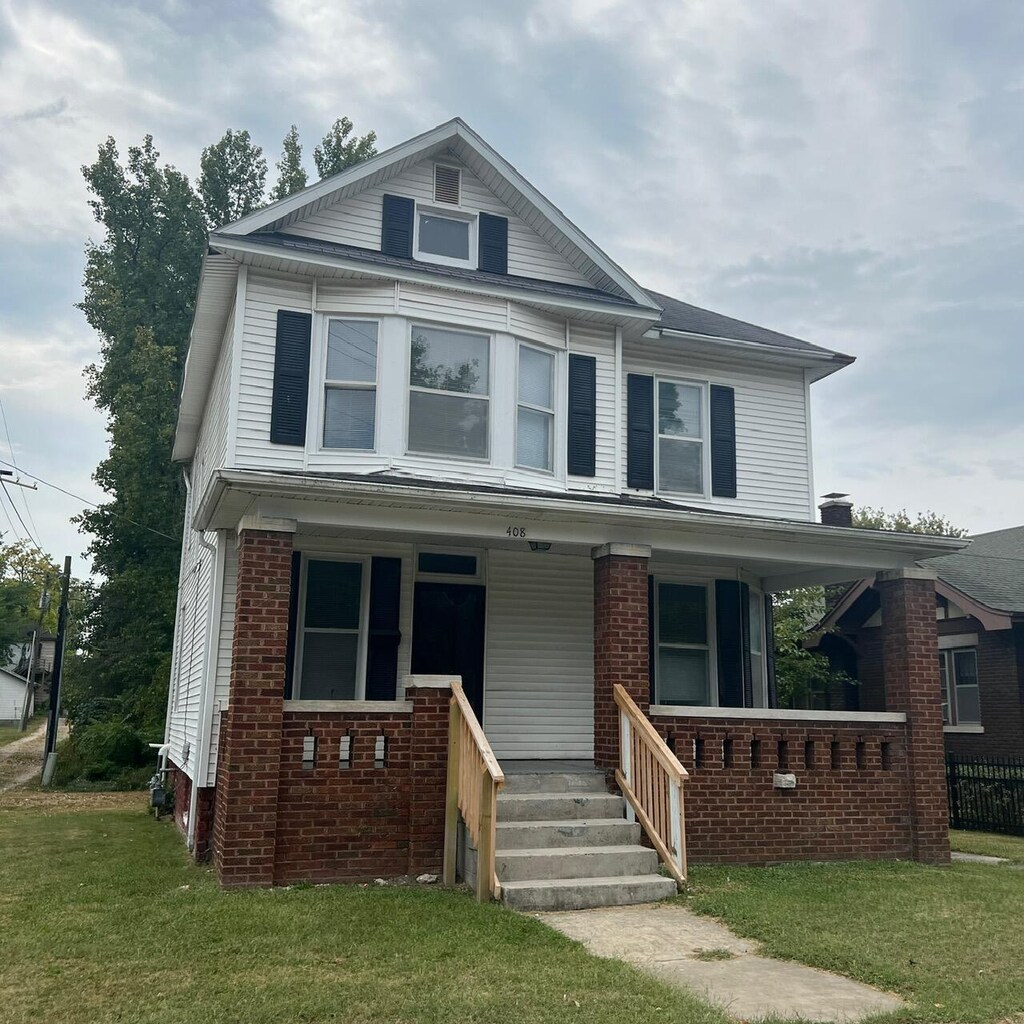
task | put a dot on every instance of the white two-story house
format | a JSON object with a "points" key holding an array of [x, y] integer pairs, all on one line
{"points": [[431, 430]]}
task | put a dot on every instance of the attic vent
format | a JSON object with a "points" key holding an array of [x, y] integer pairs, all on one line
{"points": [[446, 184]]}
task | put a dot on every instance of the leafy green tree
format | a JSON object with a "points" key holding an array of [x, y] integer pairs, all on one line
{"points": [[337, 151], [868, 518], [291, 175], [232, 179]]}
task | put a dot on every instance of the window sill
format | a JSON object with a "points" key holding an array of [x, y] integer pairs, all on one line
{"points": [[348, 707], [974, 729]]}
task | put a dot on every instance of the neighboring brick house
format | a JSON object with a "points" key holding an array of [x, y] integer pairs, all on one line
{"points": [[430, 429], [979, 608]]}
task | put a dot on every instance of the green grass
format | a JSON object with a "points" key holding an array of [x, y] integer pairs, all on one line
{"points": [[948, 940], [10, 733], [103, 919], [990, 844]]}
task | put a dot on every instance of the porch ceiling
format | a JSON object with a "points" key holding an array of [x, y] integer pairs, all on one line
{"points": [[782, 553]]}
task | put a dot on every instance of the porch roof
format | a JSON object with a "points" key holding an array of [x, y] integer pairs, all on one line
{"points": [[783, 553]]}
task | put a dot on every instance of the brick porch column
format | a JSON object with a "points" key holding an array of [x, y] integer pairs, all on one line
{"points": [[620, 640], [428, 771], [911, 671], [249, 758]]}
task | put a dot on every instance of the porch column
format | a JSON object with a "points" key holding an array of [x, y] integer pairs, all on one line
{"points": [[249, 757], [911, 672], [621, 642]]}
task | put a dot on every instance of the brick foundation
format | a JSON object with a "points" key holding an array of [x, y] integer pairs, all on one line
{"points": [[909, 644], [181, 785], [850, 802], [621, 646]]}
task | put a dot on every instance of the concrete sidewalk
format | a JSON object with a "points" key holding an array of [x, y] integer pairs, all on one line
{"points": [[697, 953]]}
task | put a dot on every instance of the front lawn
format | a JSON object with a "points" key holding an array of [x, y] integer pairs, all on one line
{"points": [[102, 919], [948, 940], [989, 844]]}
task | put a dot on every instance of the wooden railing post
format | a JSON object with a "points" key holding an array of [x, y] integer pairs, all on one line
{"points": [[451, 796], [485, 848]]}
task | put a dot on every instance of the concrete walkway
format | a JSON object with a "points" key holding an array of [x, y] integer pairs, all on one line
{"points": [[976, 858], [21, 761], [697, 953]]}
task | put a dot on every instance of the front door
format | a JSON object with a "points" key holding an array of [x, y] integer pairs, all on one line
{"points": [[448, 635]]}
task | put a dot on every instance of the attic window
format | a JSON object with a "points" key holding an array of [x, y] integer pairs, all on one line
{"points": [[447, 182]]}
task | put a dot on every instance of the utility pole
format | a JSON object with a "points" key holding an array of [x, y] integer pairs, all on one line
{"points": [[49, 757]]}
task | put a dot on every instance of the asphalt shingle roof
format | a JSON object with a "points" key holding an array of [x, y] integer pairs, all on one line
{"points": [[990, 569]]}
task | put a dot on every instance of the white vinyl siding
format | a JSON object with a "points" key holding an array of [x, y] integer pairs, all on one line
{"points": [[357, 221], [772, 464], [212, 443], [539, 665]]}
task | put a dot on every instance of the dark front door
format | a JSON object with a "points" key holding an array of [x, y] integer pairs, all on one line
{"points": [[448, 635]]}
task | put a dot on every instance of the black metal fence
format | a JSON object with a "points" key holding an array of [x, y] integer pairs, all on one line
{"points": [[986, 794]]}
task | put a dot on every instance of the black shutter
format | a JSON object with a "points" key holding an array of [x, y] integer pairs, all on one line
{"points": [[582, 456], [396, 226], [652, 653], [293, 623], [493, 254], [382, 653], [723, 441], [768, 646], [640, 431], [291, 378], [729, 630]]}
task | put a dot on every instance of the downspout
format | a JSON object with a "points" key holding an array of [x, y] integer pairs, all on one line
{"points": [[206, 689]]}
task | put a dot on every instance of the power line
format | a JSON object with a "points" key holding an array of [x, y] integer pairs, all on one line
{"points": [[14, 508], [104, 508], [10, 447]]}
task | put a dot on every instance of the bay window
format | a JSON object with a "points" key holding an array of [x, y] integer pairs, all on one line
{"points": [[682, 672], [329, 648], [350, 385], [449, 393], [680, 448], [535, 409]]}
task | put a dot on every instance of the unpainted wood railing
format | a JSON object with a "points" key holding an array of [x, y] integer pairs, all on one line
{"points": [[474, 778], [651, 779]]}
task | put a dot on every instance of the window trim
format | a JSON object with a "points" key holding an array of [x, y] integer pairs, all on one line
{"points": [[446, 212], [552, 354], [951, 697], [325, 384], [480, 460], [712, 635], [440, 577], [362, 648], [704, 387], [758, 662]]}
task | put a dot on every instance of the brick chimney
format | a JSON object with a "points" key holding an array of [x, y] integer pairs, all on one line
{"points": [[836, 510]]}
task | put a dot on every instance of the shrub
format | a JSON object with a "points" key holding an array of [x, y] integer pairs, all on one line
{"points": [[110, 753]]}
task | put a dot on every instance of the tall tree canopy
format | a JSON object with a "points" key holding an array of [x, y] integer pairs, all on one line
{"points": [[140, 285], [867, 518], [25, 575], [337, 151], [291, 175]]}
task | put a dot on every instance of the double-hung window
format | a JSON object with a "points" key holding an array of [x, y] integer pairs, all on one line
{"points": [[682, 673], [958, 673], [330, 649], [350, 386], [449, 392], [680, 438], [535, 411]]}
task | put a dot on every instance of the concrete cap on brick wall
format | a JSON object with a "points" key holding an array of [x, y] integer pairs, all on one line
{"points": [[907, 572], [270, 524], [625, 550]]}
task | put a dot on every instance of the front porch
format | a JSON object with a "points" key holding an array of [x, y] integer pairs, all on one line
{"points": [[332, 747]]}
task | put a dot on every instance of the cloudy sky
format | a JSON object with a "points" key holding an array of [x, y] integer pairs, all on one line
{"points": [[848, 173]]}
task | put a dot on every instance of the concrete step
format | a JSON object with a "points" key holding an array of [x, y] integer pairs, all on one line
{"points": [[557, 806], [520, 835], [574, 862], [555, 782], [574, 894]]}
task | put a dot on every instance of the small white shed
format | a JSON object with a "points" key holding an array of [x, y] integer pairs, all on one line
{"points": [[14, 691]]}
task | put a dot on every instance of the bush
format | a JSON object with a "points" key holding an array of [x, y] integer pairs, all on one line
{"points": [[109, 753]]}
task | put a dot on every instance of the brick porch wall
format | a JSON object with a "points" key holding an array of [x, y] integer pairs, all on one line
{"points": [[851, 800], [182, 787]]}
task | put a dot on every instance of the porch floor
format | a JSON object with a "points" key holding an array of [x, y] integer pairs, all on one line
{"points": [[538, 766]]}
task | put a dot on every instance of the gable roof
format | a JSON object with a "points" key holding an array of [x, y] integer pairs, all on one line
{"points": [[991, 570], [455, 138], [8, 674]]}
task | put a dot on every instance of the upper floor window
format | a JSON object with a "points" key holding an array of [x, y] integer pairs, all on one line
{"points": [[445, 236], [350, 385], [680, 449], [958, 673], [535, 411], [449, 392]]}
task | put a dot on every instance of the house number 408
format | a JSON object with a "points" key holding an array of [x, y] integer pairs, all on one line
{"points": [[516, 531]]}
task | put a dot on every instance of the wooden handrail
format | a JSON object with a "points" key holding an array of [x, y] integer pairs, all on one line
{"points": [[651, 779], [474, 778]]}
